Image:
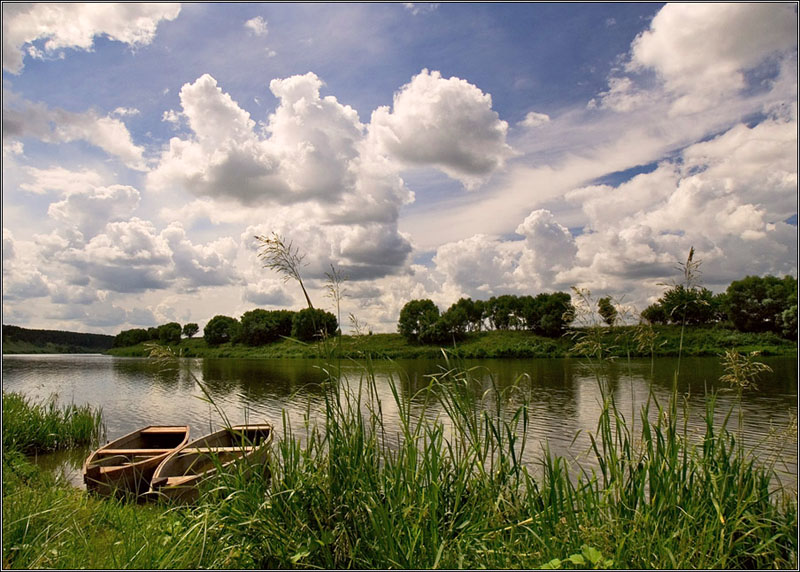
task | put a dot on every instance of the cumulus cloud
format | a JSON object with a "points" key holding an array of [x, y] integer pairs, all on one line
{"points": [[21, 279], [22, 118], [727, 197], [89, 209], [60, 179], [68, 25], [446, 123], [702, 53], [312, 163], [257, 26], [533, 119], [482, 266]]}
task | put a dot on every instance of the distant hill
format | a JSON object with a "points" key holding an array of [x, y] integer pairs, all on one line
{"points": [[18, 340]]}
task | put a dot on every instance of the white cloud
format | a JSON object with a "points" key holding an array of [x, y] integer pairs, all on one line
{"points": [[417, 8], [60, 179], [257, 26], [533, 119], [68, 25], [312, 164], [701, 51], [446, 123], [22, 118], [89, 209]]}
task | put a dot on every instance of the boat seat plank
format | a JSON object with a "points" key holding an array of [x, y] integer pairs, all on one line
{"points": [[133, 451], [164, 430], [177, 481], [215, 449]]}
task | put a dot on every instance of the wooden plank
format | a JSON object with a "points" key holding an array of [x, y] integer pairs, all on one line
{"points": [[245, 449], [133, 451], [169, 429], [176, 481]]}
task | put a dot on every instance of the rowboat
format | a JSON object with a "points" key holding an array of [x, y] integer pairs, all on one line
{"points": [[126, 465], [180, 474]]}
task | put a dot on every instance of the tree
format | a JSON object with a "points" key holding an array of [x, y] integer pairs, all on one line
{"points": [[170, 333], [189, 330], [557, 313], [692, 306], [416, 317], [131, 337], [310, 323], [220, 329], [260, 327], [757, 304], [607, 310], [655, 314]]}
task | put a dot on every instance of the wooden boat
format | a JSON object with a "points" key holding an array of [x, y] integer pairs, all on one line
{"points": [[126, 465], [181, 473]]}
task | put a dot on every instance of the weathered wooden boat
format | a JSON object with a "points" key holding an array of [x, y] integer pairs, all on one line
{"points": [[126, 465], [180, 475]]}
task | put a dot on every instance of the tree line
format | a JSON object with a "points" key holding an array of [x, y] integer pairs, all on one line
{"points": [[75, 340], [752, 304], [545, 314], [255, 328]]}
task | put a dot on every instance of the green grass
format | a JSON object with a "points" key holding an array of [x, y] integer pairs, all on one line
{"points": [[345, 491], [31, 427], [712, 341]]}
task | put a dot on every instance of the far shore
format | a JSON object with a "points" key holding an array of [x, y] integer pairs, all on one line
{"points": [[620, 342]]}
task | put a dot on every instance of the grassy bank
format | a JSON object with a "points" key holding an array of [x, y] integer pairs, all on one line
{"points": [[346, 492], [619, 341]]}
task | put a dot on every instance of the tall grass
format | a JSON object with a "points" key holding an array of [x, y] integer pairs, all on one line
{"points": [[38, 427], [452, 491]]}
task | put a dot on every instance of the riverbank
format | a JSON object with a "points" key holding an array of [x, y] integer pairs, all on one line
{"points": [[456, 498], [619, 341]]}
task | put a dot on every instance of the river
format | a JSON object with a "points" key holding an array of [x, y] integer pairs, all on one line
{"points": [[564, 395]]}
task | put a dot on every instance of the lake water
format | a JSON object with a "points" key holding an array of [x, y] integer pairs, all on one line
{"points": [[564, 395]]}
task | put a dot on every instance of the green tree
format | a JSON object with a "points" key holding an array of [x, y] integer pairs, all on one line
{"points": [[310, 323], [131, 337], [190, 329], [260, 327], [757, 304], [692, 306], [170, 333], [557, 313], [416, 317], [607, 310], [655, 314], [221, 329]]}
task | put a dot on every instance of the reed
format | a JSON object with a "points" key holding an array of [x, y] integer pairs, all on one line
{"points": [[38, 427]]}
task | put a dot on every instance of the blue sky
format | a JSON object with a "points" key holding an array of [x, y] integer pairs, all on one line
{"points": [[426, 150]]}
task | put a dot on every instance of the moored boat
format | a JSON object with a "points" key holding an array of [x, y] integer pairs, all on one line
{"points": [[126, 465], [180, 474]]}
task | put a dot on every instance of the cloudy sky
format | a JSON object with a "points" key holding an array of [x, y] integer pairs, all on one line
{"points": [[423, 150]]}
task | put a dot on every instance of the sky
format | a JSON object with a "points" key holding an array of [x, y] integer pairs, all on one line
{"points": [[421, 150]]}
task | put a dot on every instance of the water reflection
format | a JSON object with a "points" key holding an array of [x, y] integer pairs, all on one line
{"points": [[563, 395]]}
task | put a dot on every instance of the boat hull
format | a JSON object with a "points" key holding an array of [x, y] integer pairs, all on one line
{"points": [[126, 465], [180, 476]]}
